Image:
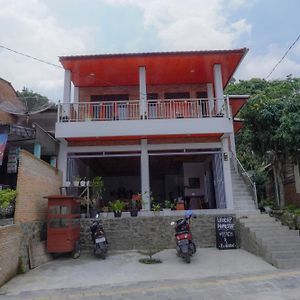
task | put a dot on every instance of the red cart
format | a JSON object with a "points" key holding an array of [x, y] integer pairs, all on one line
{"points": [[63, 227]]}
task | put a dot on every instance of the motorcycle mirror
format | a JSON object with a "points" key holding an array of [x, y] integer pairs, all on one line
{"points": [[97, 216], [172, 223]]}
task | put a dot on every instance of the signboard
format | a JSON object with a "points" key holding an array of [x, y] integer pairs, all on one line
{"points": [[225, 232], [3, 141], [12, 161]]}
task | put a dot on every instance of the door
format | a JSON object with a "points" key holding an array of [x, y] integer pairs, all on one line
{"points": [[219, 180]]}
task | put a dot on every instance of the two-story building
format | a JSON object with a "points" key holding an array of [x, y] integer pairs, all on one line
{"points": [[155, 123]]}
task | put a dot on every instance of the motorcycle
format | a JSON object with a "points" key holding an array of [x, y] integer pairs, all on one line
{"points": [[99, 238], [185, 246]]}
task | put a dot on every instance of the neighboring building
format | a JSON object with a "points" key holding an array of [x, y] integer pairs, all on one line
{"points": [[20, 132], [154, 122]]}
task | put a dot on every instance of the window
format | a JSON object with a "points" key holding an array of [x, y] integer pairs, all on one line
{"points": [[179, 95], [59, 210]]}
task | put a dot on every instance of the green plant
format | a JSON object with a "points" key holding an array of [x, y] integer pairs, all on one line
{"points": [[76, 178], [97, 186], [150, 252], [168, 204], [291, 208], [297, 212], [156, 207], [117, 206], [268, 202], [7, 196]]}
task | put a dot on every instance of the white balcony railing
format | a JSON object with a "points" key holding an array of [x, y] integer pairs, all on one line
{"points": [[131, 110]]}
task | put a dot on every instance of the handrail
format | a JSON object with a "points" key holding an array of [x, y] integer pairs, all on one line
{"points": [[133, 109], [241, 170]]}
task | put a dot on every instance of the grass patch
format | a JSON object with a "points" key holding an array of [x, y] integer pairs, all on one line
{"points": [[149, 261]]}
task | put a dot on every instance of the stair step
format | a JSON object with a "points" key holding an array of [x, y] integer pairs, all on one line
{"points": [[285, 254], [287, 263]]}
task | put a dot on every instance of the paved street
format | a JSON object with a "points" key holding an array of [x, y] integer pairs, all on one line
{"points": [[213, 274]]}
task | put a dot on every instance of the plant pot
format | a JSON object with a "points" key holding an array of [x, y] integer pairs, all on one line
{"points": [[76, 183], [156, 213], [134, 213], [82, 183], [117, 214]]}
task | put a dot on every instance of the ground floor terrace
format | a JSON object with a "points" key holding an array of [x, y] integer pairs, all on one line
{"points": [[195, 175]]}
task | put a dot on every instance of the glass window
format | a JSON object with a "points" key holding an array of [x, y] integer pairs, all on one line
{"points": [[59, 210], [58, 223]]}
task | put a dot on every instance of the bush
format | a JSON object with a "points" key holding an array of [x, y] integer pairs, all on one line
{"points": [[7, 197], [291, 208]]}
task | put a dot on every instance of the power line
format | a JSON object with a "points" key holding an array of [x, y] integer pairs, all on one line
{"points": [[31, 57], [283, 57]]}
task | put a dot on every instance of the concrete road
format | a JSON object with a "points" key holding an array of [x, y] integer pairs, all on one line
{"points": [[212, 274]]}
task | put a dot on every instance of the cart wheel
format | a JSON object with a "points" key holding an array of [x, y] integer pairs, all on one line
{"points": [[76, 252]]}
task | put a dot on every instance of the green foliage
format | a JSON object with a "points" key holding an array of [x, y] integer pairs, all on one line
{"points": [[156, 207], [97, 185], [297, 212], [7, 196], [32, 100], [117, 206], [291, 208], [268, 202]]}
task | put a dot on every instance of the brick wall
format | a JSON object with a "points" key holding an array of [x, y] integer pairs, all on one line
{"points": [[36, 179], [291, 196], [9, 251]]}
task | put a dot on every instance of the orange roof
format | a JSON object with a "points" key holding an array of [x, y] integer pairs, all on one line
{"points": [[237, 102], [188, 67]]}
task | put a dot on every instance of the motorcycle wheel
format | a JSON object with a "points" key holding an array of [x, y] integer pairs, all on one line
{"points": [[187, 258]]}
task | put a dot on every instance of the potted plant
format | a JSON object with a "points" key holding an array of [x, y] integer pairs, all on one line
{"points": [[7, 202], [117, 207], [168, 205], [97, 186], [156, 209], [76, 180], [136, 203]]}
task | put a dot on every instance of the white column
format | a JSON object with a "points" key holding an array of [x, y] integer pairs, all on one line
{"points": [[145, 179], [67, 95], [76, 94], [227, 172], [218, 83], [210, 96], [143, 92], [67, 87], [62, 160]]}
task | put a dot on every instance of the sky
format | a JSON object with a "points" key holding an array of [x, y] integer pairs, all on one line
{"points": [[47, 29]]}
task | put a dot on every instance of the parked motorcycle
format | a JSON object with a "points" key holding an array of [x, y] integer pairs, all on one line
{"points": [[99, 238], [185, 246]]}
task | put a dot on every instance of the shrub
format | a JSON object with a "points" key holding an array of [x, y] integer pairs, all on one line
{"points": [[7, 196]]}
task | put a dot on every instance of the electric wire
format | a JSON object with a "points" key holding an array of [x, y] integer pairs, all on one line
{"points": [[283, 57], [32, 57]]}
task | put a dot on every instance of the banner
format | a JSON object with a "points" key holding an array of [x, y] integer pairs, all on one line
{"points": [[3, 141]]}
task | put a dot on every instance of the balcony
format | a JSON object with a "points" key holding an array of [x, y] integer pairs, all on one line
{"points": [[132, 118]]}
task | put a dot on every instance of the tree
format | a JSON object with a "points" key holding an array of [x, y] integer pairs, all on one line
{"points": [[33, 101], [271, 132]]}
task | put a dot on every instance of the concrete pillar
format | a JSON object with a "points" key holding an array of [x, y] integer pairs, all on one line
{"points": [[37, 150], [67, 95], [143, 92], [210, 96], [145, 178], [227, 172], [67, 87], [218, 84], [76, 94], [62, 160]]}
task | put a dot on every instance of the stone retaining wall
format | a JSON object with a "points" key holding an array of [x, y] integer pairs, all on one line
{"points": [[32, 239], [9, 251], [144, 232]]}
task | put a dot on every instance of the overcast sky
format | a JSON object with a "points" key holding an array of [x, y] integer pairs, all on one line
{"points": [[48, 29]]}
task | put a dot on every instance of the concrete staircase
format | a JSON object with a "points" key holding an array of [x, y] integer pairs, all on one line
{"points": [[242, 198], [262, 235]]}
